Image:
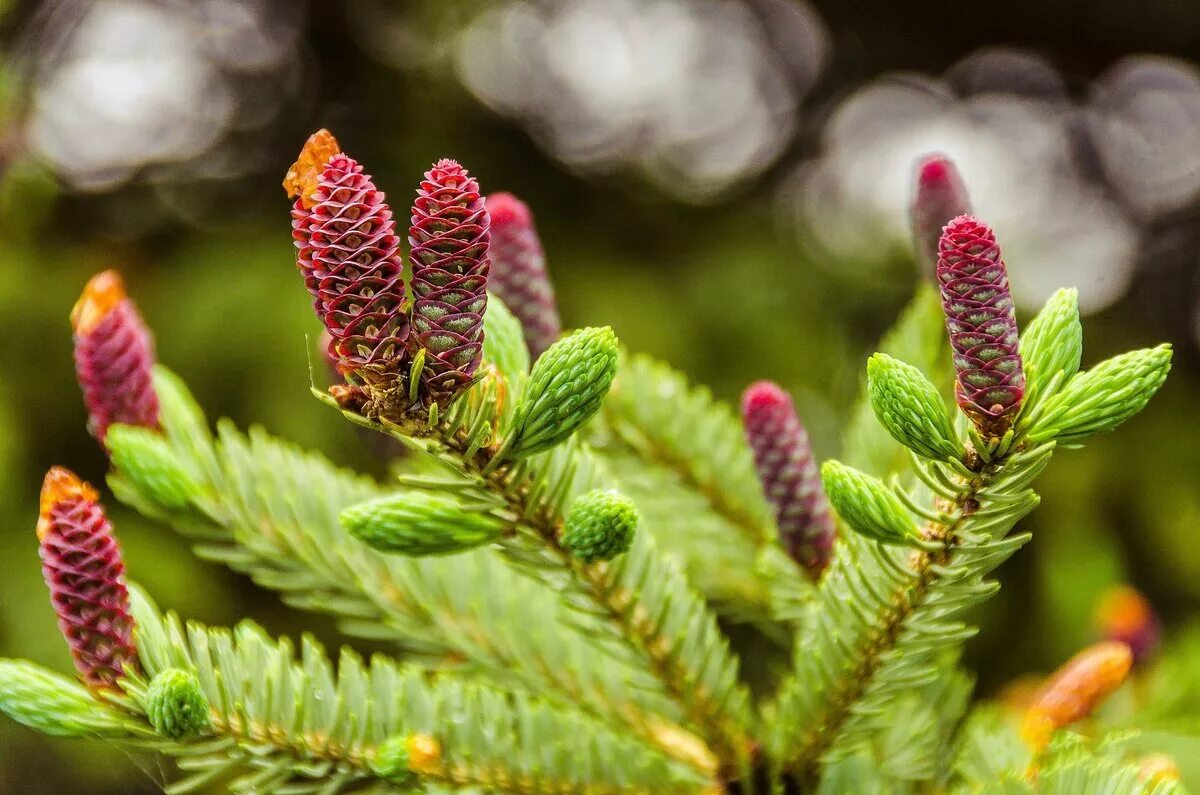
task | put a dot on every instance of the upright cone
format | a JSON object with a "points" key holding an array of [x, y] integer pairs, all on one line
{"points": [[348, 254], [449, 240], [939, 197], [519, 271], [114, 357], [982, 325], [788, 474], [81, 563]]}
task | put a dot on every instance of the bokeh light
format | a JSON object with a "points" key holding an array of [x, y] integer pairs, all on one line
{"points": [[689, 93], [139, 84]]}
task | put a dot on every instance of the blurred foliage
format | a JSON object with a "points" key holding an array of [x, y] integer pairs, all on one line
{"points": [[721, 293]]}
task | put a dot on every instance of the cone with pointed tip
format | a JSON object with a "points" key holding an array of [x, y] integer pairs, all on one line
{"points": [[1075, 690], [114, 357], [449, 240], [788, 474], [81, 563], [348, 254], [939, 197], [982, 325], [519, 271]]}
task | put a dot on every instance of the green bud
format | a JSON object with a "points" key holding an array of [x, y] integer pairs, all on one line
{"points": [[392, 758], [144, 458], [1053, 342], [600, 526], [866, 504], [1103, 397], [567, 386], [54, 704], [908, 405], [176, 704], [504, 341], [418, 523]]}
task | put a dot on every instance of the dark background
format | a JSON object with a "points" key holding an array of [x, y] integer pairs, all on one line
{"points": [[777, 268]]}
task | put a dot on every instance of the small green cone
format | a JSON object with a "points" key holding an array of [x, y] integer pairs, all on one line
{"points": [[908, 405], [419, 523], [567, 386], [391, 760], [867, 505], [144, 458], [600, 526], [176, 704]]}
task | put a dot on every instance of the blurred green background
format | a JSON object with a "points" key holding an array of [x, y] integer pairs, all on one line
{"points": [[728, 277]]}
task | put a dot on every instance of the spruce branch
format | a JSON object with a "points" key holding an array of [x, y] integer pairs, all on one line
{"points": [[648, 607], [881, 616], [278, 721], [906, 609], [270, 511]]}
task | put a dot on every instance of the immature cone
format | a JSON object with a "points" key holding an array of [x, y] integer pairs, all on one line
{"points": [[788, 474], [176, 704], [1124, 615], [600, 526], [449, 240], [114, 357], [1075, 690], [940, 196], [519, 271], [392, 760], [981, 323], [82, 566], [348, 254]]}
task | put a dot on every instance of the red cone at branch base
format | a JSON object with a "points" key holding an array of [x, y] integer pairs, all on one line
{"points": [[449, 240], [789, 475], [114, 357], [981, 323], [82, 566]]}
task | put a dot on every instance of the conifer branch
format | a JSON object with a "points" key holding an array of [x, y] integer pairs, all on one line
{"points": [[275, 721], [642, 598], [270, 511], [918, 612]]}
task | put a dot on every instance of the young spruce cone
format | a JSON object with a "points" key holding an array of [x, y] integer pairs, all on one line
{"points": [[519, 271], [348, 253], [449, 240], [940, 196], [114, 357], [82, 566], [789, 475], [981, 323]]}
